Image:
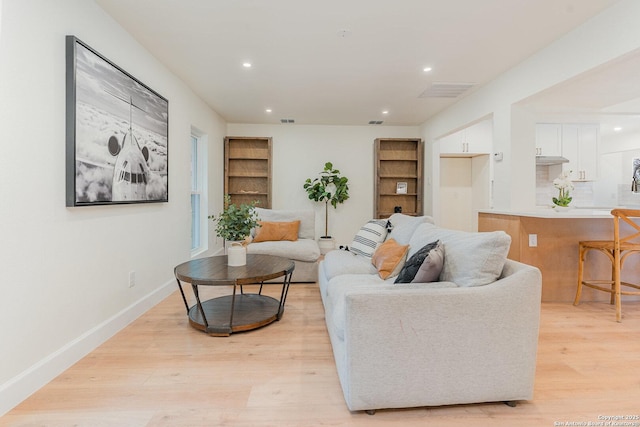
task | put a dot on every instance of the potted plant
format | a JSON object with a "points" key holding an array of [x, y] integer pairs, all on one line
{"points": [[564, 185], [234, 223], [330, 188]]}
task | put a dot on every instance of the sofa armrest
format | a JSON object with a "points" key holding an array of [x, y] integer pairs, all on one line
{"points": [[422, 347]]}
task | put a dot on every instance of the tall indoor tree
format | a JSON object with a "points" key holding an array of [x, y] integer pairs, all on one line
{"points": [[330, 188]]}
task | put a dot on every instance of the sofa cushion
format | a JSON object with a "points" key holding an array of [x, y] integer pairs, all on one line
{"points": [[369, 237], [337, 263], [307, 219], [300, 250], [472, 259], [403, 226], [389, 258], [271, 231], [427, 256]]}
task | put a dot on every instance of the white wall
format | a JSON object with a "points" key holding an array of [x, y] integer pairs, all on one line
{"points": [[300, 152], [463, 190], [456, 195], [607, 36], [615, 170], [64, 286]]}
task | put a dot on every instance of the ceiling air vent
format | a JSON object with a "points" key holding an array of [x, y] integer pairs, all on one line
{"points": [[446, 90], [375, 122], [286, 121]]}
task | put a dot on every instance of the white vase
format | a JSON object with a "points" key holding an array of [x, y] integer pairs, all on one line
{"points": [[228, 243], [236, 255]]}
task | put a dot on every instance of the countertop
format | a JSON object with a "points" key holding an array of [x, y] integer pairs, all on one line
{"points": [[548, 212]]}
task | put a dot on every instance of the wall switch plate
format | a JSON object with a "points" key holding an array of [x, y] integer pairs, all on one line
{"points": [[132, 279], [533, 240]]}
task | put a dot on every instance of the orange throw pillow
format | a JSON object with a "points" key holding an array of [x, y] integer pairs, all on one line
{"points": [[276, 231], [389, 258]]}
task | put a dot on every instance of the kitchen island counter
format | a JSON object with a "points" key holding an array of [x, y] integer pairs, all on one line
{"points": [[548, 212], [549, 241]]}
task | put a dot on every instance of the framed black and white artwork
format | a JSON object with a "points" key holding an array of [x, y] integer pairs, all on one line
{"points": [[117, 133]]}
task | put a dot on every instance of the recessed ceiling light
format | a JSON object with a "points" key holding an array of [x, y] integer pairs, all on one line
{"points": [[246, 64], [427, 69], [385, 112], [268, 110], [617, 128]]}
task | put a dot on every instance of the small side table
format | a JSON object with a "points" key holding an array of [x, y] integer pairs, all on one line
{"points": [[239, 311]]}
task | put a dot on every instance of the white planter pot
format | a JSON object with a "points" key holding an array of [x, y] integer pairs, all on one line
{"points": [[326, 244], [236, 254]]}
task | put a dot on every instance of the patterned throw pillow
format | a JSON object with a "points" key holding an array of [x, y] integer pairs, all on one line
{"points": [[370, 236]]}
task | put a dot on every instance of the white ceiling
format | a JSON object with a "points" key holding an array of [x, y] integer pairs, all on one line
{"points": [[341, 62], [608, 95]]}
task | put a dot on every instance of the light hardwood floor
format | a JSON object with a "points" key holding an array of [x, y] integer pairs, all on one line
{"points": [[161, 372]]}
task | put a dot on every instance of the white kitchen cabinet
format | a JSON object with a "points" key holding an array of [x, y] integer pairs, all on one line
{"points": [[548, 139], [468, 142], [580, 146], [453, 144]]}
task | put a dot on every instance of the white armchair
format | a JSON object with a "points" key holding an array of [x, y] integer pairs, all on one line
{"points": [[304, 252]]}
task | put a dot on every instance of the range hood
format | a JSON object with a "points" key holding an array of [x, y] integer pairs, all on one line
{"points": [[550, 160]]}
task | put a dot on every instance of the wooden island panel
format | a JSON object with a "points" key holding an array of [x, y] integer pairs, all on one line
{"points": [[556, 254]]}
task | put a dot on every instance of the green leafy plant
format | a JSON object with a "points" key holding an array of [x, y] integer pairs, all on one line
{"points": [[235, 222], [330, 188]]}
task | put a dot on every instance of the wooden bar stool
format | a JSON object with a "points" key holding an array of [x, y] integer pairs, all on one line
{"points": [[617, 250]]}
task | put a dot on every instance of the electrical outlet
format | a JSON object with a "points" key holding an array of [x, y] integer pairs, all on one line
{"points": [[132, 279], [533, 240]]}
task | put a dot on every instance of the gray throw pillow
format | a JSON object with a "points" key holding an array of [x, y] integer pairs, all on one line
{"points": [[431, 268], [415, 262]]}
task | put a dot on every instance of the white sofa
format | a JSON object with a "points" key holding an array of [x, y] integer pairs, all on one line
{"points": [[304, 252], [431, 344]]}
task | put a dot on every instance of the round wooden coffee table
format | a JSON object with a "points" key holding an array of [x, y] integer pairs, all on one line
{"points": [[239, 311]]}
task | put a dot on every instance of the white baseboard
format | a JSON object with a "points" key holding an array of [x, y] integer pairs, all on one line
{"points": [[29, 381]]}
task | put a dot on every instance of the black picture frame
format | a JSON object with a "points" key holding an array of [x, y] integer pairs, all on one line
{"points": [[117, 133]]}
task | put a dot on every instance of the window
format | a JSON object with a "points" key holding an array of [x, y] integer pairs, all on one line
{"points": [[198, 195]]}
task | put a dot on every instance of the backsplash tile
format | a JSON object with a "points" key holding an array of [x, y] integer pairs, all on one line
{"points": [[626, 197], [545, 191], [583, 194]]}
